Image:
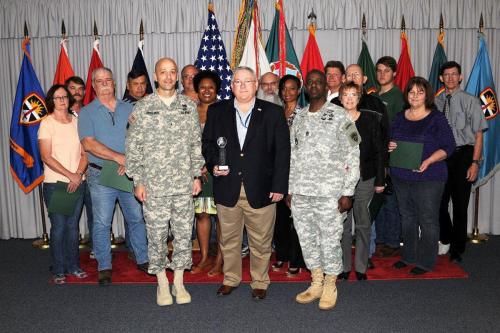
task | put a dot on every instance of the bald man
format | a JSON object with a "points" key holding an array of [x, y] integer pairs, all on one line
{"points": [[187, 75], [163, 156]]}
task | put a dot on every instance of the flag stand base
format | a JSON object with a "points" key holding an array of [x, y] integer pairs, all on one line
{"points": [[42, 243], [477, 238]]}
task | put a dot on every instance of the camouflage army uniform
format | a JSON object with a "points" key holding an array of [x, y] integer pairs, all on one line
{"points": [[324, 166], [163, 153]]}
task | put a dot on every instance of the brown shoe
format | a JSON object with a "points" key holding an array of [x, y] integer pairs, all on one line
{"points": [[259, 294], [391, 252], [225, 290], [379, 250], [105, 277]]}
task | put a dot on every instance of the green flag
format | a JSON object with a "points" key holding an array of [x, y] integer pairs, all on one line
{"points": [[366, 63], [280, 50], [438, 60]]}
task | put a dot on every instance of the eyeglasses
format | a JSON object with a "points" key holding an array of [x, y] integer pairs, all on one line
{"points": [[353, 75], [350, 94], [239, 83], [60, 98]]}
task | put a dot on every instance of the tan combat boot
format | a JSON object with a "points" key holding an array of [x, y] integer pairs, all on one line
{"points": [[163, 296], [178, 290], [315, 290], [329, 297]]}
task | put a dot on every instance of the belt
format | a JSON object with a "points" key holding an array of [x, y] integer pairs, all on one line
{"points": [[95, 166], [464, 147]]}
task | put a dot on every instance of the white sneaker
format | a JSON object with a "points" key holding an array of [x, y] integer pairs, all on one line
{"points": [[443, 248]]}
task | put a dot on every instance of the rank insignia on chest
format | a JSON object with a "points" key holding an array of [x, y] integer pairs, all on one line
{"points": [[184, 109]]}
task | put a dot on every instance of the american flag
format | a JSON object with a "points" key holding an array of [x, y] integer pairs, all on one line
{"points": [[212, 55]]}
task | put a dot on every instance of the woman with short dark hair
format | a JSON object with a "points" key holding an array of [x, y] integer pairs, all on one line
{"points": [[419, 191]]}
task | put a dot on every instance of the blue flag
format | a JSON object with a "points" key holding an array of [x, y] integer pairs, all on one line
{"points": [[481, 84], [29, 109], [212, 55], [139, 65]]}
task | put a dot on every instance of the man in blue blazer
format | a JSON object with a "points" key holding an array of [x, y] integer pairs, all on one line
{"points": [[257, 150]]}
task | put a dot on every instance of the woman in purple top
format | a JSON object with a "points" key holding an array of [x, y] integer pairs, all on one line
{"points": [[419, 191]]}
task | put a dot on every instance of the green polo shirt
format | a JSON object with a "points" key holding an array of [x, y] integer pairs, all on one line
{"points": [[394, 102]]}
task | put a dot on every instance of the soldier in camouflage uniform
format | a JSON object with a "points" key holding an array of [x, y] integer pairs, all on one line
{"points": [[163, 156], [324, 170]]}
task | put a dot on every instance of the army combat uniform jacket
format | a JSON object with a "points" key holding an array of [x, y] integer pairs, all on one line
{"points": [[324, 153], [163, 145]]}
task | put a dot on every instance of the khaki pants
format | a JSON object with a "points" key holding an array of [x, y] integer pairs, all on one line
{"points": [[260, 225]]}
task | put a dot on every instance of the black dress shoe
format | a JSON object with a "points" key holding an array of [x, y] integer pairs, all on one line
{"points": [[343, 276], [455, 257], [361, 276], [370, 264], [417, 271], [399, 264], [259, 294], [292, 271], [105, 277], [225, 290], [144, 267]]}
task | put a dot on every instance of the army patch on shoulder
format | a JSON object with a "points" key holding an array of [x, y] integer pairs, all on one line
{"points": [[352, 133]]}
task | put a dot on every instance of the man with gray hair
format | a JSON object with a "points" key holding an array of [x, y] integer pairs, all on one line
{"points": [[253, 135], [102, 126], [268, 88]]}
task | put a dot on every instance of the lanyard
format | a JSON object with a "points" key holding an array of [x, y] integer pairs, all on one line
{"points": [[247, 119]]}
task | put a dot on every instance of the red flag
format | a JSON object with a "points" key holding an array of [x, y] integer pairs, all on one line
{"points": [[312, 57], [64, 69], [95, 62], [405, 70]]}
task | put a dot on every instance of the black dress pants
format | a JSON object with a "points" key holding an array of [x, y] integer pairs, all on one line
{"points": [[286, 241], [458, 189]]}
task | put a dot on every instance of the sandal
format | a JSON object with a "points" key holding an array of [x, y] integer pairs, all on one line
{"points": [[79, 274], [59, 279], [277, 265]]}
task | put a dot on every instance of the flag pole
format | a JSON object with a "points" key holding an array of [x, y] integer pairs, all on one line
{"points": [[476, 237], [363, 26], [42, 243]]}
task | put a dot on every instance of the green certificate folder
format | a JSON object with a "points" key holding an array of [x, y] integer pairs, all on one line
{"points": [[407, 155], [62, 202], [110, 178]]}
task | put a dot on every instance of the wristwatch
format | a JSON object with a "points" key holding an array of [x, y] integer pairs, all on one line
{"points": [[478, 162]]}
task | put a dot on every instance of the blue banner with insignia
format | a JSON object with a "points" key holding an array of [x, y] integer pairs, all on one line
{"points": [[29, 109], [481, 84]]}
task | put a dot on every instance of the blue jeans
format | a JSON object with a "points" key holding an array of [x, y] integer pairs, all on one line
{"points": [[388, 223], [87, 202], [63, 235], [419, 204], [103, 202]]}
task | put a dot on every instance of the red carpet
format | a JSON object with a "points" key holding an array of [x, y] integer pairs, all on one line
{"points": [[125, 271]]}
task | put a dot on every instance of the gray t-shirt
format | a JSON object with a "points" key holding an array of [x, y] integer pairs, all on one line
{"points": [[465, 116]]}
